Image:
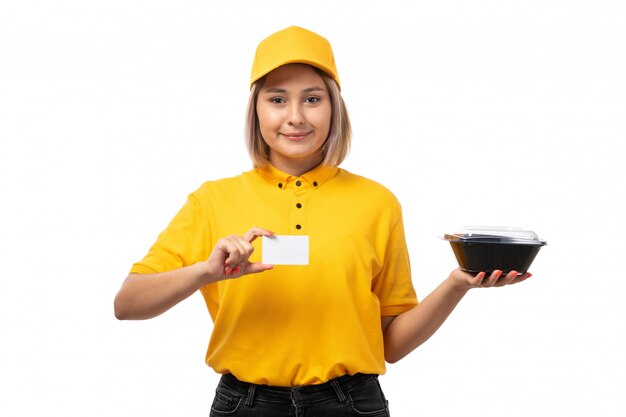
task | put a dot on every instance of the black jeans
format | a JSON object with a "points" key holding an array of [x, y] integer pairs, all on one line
{"points": [[358, 395]]}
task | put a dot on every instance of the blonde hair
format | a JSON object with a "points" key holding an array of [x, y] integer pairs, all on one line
{"points": [[337, 144]]}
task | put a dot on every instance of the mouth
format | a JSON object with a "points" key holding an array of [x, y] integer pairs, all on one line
{"points": [[296, 136]]}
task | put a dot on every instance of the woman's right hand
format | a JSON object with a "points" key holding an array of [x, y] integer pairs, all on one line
{"points": [[143, 296], [229, 258]]}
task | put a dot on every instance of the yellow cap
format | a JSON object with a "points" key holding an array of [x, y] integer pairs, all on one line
{"points": [[290, 46]]}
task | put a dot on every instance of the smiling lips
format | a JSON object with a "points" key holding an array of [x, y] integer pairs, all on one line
{"points": [[295, 136]]}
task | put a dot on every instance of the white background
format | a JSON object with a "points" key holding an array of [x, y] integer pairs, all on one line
{"points": [[472, 112]]}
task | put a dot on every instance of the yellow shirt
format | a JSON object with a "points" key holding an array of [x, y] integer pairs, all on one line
{"points": [[296, 325]]}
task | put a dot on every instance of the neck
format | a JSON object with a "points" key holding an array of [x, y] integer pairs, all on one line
{"points": [[295, 167]]}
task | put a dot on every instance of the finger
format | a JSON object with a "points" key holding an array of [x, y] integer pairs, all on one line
{"points": [[521, 278], [248, 268], [477, 280], [493, 278], [248, 249], [245, 248], [256, 267], [237, 252], [255, 232], [507, 279], [227, 247], [233, 271]]}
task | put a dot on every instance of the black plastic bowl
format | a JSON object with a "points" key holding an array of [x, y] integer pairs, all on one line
{"points": [[486, 253]]}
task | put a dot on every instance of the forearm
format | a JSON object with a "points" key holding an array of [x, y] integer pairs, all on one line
{"points": [[144, 296], [412, 328]]}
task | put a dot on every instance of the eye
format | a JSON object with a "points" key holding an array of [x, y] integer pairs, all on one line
{"points": [[312, 99], [277, 100]]}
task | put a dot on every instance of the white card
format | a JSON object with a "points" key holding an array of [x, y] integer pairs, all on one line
{"points": [[286, 250]]}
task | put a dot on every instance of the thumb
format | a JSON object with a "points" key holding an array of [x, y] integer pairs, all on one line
{"points": [[257, 267]]}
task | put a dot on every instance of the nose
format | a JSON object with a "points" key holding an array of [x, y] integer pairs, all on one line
{"points": [[295, 116]]}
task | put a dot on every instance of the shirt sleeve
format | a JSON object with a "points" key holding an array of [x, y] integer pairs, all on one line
{"points": [[184, 242], [393, 285]]}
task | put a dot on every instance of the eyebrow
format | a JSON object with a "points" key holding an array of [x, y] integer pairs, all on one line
{"points": [[282, 90]]}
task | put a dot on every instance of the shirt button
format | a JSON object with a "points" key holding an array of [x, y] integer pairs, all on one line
{"points": [[298, 183], [298, 227], [299, 205], [280, 185], [314, 183]]}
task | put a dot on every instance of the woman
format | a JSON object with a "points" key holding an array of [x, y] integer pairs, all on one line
{"points": [[296, 339]]}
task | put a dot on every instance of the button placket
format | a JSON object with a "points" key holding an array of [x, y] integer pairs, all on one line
{"points": [[298, 211]]}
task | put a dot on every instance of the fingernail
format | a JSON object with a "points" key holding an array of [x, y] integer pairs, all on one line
{"points": [[236, 270], [530, 275], [481, 275], [227, 271], [498, 272]]}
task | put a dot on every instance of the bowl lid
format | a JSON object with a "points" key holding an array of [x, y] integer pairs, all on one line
{"points": [[494, 234]]}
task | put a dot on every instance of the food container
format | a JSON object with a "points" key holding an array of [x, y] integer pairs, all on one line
{"points": [[485, 249]]}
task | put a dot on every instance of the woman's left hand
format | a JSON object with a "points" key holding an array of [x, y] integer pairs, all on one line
{"points": [[465, 281]]}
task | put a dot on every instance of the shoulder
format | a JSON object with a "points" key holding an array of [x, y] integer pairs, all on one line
{"points": [[222, 184], [216, 190], [362, 186]]}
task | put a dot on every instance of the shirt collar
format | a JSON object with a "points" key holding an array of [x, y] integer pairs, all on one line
{"points": [[315, 177]]}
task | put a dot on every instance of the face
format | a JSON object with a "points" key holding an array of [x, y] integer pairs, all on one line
{"points": [[294, 112]]}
